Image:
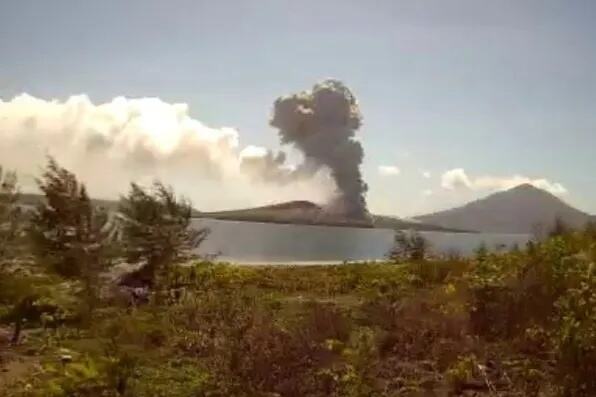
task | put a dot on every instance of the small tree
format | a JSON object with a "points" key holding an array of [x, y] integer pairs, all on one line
{"points": [[14, 292], [10, 214], [590, 230], [68, 233], [481, 252], [408, 246], [26, 293], [155, 228], [559, 228]]}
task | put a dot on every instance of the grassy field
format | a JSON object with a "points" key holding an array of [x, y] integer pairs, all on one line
{"points": [[515, 324]]}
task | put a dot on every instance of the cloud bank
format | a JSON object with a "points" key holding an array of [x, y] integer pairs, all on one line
{"points": [[457, 179], [109, 145]]}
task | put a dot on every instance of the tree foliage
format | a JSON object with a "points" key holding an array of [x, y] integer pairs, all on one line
{"points": [[408, 246], [70, 236], [10, 214], [68, 232], [155, 227], [559, 228]]}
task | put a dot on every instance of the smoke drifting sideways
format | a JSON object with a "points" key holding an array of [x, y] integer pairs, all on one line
{"points": [[322, 124], [110, 144]]}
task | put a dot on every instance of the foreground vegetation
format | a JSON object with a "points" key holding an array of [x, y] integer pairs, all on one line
{"points": [[521, 323]]}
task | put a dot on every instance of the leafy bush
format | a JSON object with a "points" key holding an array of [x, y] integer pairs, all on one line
{"points": [[408, 246], [576, 333]]}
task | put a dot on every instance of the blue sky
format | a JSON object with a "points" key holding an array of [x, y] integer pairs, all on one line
{"points": [[496, 88]]}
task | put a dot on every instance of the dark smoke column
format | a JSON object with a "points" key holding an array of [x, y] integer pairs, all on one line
{"points": [[322, 124]]}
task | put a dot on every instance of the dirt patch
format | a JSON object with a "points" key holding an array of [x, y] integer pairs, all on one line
{"points": [[13, 365], [14, 368]]}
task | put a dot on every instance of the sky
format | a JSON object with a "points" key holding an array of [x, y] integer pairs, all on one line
{"points": [[459, 98]]}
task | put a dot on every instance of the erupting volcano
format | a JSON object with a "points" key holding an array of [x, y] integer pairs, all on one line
{"points": [[322, 123]]}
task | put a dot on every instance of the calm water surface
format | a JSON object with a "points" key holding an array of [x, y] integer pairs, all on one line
{"points": [[252, 242]]}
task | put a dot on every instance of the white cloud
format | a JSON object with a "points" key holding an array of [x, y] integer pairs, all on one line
{"points": [[455, 179], [458, 179], [389, 170], [504, 183], [427, 193], [109, 145]]}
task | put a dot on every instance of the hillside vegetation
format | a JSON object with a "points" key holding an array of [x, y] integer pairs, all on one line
{"points": [[521, 323]]}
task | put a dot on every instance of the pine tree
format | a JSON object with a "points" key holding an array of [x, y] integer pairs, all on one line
{"points": [[10, 215], [20, 285], [70, 235], [155, 227]]}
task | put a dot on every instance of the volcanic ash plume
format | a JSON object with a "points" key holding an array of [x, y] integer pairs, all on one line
{"points": [[322, 124]]}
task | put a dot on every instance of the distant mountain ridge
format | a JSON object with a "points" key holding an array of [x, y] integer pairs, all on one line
{"points": [[299, 212], [522, 209], [303, 212]]}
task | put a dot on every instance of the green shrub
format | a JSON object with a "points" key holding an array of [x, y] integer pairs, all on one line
{"points": [[576, 334], [408, 246]]}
